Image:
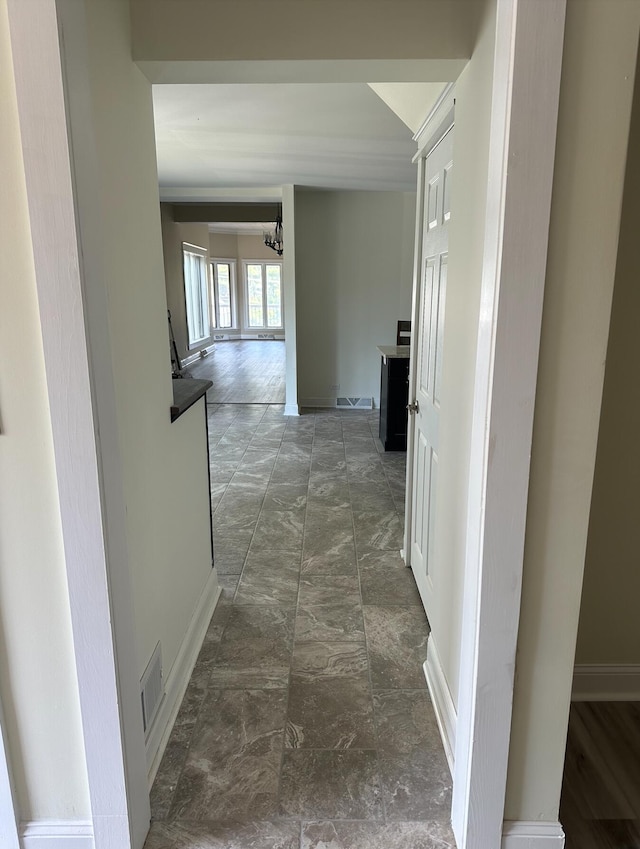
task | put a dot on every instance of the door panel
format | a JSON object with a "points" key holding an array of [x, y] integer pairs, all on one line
{"points": [[425, 422]]}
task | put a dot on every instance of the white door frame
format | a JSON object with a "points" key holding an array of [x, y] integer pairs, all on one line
{"points": [[73, 319], [525, 96], [524, 115]]}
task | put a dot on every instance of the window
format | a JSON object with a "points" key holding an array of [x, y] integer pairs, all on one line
{"points": [[223, 294], [196, 294], [263, 289]]}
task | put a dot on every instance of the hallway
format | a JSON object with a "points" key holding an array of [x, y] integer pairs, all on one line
{"points": [[246, 371], [307, 721]]}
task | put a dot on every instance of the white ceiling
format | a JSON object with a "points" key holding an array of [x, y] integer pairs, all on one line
{"points": [[337, 136]]}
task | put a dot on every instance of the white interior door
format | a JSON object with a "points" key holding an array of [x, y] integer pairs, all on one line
{"points": [[429, 334]]}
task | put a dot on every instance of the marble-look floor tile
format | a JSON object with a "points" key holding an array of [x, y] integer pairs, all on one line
{"points": [[222, 470], [364, 497], [166, 780], [328, 462], [378, 531], [326, 540], [406, 722], [397, 643], [366, 471], [330, 622], [291, 452], [193, 835], [228, 585], [319, 661], [279, 529], [232, 767], [321, 519], [330, 714], [328, 589], [329, 492], [290, 472], [334, 559], [229, 552], [285, 496], [358, 835], [269, 577], [330, 785], [416, 786], [255, 650], [227, 523], [385, 580]]}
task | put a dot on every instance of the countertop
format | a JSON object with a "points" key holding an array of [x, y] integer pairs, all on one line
{"points": [[186, 391], [394, 352]]}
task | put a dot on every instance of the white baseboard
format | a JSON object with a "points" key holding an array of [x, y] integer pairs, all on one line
{"points": [[442, 702], [532, 835], [594, 682], [291, 410], [178, 678], [56, 834], [331, 404]]}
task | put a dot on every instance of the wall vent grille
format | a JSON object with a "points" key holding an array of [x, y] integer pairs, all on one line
{"points": [[266, 336], [355, 403], [152, 688]]}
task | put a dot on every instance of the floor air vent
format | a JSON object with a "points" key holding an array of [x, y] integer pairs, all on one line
{"points": [[152, 688], [355, 403]]}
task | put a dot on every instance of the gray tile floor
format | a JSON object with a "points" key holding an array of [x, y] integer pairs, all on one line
{"points": [[307, 723]]}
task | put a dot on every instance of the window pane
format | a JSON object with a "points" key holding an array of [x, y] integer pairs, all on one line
{"points": [[212, 296], [274, 296], [196, 297], [224, 294], [254, 295]]}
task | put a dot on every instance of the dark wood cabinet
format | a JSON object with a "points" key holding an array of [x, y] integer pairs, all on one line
{"points": [[394, 396]]}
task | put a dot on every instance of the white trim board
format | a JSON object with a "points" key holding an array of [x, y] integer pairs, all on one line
{"points": [[524, 116], [532, 835], [593, 682], [8, 807], [178, 678], [443, 706], [60, 181], [56, 834]]}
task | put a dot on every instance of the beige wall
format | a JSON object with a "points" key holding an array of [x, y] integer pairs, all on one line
{"points": [[597, 81], [181, 29], [164, 465], [609, 630], [353, 283], [241, 247], [173, 235], [38, 689], [466, 238]]}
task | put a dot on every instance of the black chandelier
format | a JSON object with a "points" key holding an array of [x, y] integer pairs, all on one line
{"points": [[273, 239]]}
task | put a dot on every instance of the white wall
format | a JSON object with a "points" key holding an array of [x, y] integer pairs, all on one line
{"points": [[38, 689], [597, 83], [173, 235], [353, 283], [609, 631], [163, 464], [466, 242]]}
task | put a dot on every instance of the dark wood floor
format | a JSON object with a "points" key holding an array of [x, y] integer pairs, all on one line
{"points": [[600, 806], [244, 372]]}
